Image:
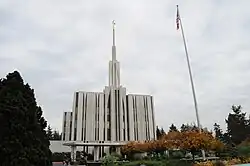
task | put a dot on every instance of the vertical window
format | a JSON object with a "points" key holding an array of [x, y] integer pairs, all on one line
{"points": [[128, 114], [146, 118], [85, 117], [70, 134], [76, 110], [108, 116], [77, 96], [75, 134], [109, 135], [64, 137], [124, 134], [95, 134], [152, 115], [70, 129], [116, 116], [136, 118], [104, 118], [98, 108]]}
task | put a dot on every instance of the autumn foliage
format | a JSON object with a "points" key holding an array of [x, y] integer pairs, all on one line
{"points": [[189, 141]]}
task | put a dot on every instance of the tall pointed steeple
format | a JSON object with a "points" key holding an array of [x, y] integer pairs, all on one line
{"points": [[114, 65], [113, 47]]}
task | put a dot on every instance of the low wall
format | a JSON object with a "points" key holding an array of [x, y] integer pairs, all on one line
{"points": [[57, 146]]}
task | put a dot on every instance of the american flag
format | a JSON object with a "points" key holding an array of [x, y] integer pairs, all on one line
{"points": [[177, 19]]}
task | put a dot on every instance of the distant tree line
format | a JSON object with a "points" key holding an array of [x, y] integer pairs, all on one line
{"points": [[236, 136], [238, 128], [53, 134], [160, 132]]}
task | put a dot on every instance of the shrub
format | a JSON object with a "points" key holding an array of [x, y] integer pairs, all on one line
{"points": [[206, 163], [210, 163], [146, 162], [244, 151], [146, 157], [158, 163], [219, 163], [57, 157], [109, 160], [235, 161], [179, 163], [117, 156], [177, 154]]}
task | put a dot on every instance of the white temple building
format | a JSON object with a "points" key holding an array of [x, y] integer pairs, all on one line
{"points": [[110, 118]]}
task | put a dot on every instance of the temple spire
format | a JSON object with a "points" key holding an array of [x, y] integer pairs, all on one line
{"points": [[113, 47], [114, 65]]}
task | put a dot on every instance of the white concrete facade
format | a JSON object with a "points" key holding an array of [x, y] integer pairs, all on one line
{"points": [[111, 115], [67, 126]]}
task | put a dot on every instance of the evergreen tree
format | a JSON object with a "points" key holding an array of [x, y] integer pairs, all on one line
{"points": [[23, 140], [173, 128], [188, 127], [218, 131], [159, 132], [223, 137], [162, 132], [56, 135], [237, 125], [49, 133]]}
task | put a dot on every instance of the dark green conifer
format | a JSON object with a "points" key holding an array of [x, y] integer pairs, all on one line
{"points": [[23, 139]]}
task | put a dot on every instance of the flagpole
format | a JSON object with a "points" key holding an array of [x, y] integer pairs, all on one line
{"points": [[190, 71], [178, 20]]}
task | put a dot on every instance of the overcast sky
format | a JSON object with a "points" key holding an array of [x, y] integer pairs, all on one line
{"points": [[62, 46]]}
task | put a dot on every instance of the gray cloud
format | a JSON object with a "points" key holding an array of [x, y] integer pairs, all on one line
{"points": [[62, 46]]}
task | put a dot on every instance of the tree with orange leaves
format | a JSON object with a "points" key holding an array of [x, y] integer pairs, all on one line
{"points": [[168, 141], [218, 147], [194, 141], [156, 146], [131, 147], [172, 140]]}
